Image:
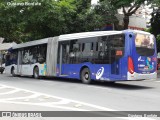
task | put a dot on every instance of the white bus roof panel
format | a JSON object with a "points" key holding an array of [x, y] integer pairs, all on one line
{"points": [[87, 34], [138, 31], [31, 43], [73, 36]]}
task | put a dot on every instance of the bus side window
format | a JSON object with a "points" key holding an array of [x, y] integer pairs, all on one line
{"points": [[96, 46], [42, 54], [14, 57], [34, 53], [87, 47], [92, 46], [87, 52], [7, 59], [26, 56], [74, 52], [76, 47]]}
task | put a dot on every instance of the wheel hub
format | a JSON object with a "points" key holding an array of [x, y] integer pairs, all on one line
{"points": [[86, 76]]}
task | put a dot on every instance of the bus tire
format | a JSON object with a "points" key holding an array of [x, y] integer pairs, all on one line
{"points": [[36, 73], [86, 76], [13, 72]]}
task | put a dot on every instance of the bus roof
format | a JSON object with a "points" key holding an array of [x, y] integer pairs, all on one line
{"points": [[96, 33], [138, 31], [73, 36], [31, 43], [87, 34]]}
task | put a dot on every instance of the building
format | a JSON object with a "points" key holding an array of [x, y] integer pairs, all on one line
{"points": [[140, 20]]}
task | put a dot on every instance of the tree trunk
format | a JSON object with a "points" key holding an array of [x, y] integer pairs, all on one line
{"points": [[126, 21]]}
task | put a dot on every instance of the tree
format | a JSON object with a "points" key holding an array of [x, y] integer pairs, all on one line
{"points": [[129, 7], [95, 17], [155, 22], [9, 20], [156, 3], [24, 23], [158, 42], [51, 19], [21, 23], [155, 26]]}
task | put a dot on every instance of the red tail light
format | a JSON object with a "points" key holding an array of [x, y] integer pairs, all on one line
{"points": [[130, 65]]}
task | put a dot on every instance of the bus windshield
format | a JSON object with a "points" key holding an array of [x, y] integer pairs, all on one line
{"points": [[144, 45]]}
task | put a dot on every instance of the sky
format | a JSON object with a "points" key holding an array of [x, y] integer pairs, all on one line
{"points": [[94, 2]]}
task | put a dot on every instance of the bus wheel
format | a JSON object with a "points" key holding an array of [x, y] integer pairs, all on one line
{"points": [[36, 73], [85, 76], [13, 72]]}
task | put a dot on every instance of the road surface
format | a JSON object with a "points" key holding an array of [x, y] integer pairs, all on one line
{"points": [[26, 94]]}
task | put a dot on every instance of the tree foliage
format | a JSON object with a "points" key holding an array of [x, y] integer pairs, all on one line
{"points": [[155, 26], [155, 22], [9, 19], [129, 7], [22, 23], [55, 17]]}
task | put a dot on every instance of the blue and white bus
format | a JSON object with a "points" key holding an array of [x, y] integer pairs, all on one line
{"points": [[100, 55]]}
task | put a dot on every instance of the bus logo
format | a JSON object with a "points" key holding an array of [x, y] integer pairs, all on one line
{"points": [[100, 73], [140, 59]]}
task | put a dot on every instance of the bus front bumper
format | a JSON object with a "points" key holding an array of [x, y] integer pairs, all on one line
{"points": [[137, 76]]}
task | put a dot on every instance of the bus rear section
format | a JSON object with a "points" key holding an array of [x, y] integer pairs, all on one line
{"points": [[142, 63]]}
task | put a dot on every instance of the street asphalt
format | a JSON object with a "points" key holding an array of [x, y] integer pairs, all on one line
{"points": [[54, 94]]}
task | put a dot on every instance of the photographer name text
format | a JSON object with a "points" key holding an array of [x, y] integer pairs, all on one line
{"points": [[23, 3]]}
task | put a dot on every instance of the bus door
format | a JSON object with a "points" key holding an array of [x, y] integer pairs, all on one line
{"points": [[64, 59], [116, 52], [19, 62], [115, 66]]}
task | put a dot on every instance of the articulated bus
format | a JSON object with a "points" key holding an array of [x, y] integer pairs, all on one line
{"points": [[99, 55]]}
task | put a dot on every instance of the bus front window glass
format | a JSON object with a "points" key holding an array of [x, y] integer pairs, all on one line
{"points": [[144, 44]]}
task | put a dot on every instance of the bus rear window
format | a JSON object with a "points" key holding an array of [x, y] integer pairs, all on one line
{"points": [[144, 44]]}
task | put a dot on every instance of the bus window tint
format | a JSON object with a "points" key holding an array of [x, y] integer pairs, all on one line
{"points": [[109, 49], [86, 47], [42, 53], [144, 44], [7, 59], [76, 47], [34, 54], [74, 52], [13, 57], [117, 43]]}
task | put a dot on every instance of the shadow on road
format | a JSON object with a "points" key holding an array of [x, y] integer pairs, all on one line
{"points": [[126, 85]]}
